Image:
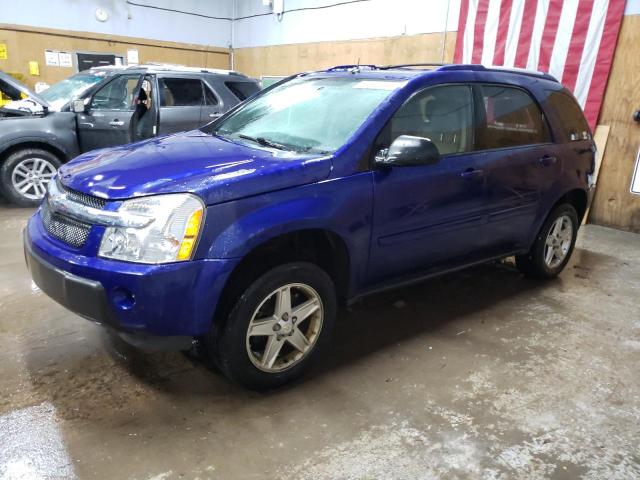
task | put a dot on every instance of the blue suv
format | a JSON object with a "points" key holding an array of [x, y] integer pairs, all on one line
{"points": [[245, 235]]}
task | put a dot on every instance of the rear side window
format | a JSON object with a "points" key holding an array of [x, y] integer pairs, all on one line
{"points": [[242, 90], [512, 119], [180, 92], [572, 122], [209, 97]]}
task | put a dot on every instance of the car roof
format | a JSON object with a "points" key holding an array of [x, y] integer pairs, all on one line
{"points": [[414, 70], [166, 67]]}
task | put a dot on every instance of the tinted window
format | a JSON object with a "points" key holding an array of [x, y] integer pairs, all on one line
{"points": [[209, 97], [118, 94], [442, 114], [572, 121], [512, 119], [180, 92], [242, 90]]}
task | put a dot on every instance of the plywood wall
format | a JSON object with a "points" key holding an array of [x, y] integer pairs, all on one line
{"points": [[25, 44], [289, 59], [614, 205]]}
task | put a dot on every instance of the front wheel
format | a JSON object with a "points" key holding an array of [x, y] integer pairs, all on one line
{"points": [[553, 246], [25, 175], [277, 328]]}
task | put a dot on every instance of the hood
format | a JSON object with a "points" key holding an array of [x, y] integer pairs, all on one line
{"points": [[14, 88], [216, 169]]}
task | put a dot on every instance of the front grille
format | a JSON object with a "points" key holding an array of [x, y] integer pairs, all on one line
{"points": [[68, 230], [82, 198]]}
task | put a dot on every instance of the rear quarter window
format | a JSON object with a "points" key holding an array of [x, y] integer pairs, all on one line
{"points": [[571, 120], [242, 90]]}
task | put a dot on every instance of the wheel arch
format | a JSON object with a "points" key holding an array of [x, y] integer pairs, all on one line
{"points": [[322, 247], [578, 198], [23, 144]]}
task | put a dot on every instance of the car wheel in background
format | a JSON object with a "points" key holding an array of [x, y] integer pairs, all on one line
{"points": [[278, 327], [553, 245], [25, 175]]}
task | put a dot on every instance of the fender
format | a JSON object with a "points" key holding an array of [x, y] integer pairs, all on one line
{"points": [[24, 130], [341, 206]]}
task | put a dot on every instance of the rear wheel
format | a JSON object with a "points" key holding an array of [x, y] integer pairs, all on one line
{"points": [[25, 175], [553, 246], [277, 328]]}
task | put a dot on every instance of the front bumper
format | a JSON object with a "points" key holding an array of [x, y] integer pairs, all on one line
{"points": [[146, 304]]}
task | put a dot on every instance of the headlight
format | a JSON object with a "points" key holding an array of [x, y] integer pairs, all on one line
{"points": [[170, 236]]}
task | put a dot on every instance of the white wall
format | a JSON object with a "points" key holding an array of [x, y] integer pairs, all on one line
{"points": [[128, 20], [365, 19]]}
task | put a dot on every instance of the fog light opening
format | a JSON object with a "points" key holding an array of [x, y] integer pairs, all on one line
{"points": [[123, 298]]}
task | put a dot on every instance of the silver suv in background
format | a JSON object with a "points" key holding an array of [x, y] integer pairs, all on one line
{"points": [[103, 107]]}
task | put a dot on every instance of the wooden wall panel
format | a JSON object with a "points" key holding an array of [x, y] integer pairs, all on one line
{"points": [[25, 44], [289, 59], [614, 205]]}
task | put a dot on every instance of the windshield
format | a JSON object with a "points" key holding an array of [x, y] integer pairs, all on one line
{"points": [[307, 114], [61, 93]]}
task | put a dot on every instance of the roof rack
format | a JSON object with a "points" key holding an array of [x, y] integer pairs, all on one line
{"points": [[339, 68], [180, 68], [409, 65], [519, 71]]}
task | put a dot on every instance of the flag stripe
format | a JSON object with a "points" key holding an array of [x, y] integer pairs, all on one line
{"points": [[603, 61], [590, 52], [462, 24], [549, 35], [576, 47], [513, 35], [491, 32], [478, 35], [504, 22], [469, 32], [563, 38], [524, 43]]}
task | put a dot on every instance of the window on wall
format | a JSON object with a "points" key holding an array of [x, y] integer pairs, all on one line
{"points": [[442, 114], [512, 119], [180, 92], [572, 121]]}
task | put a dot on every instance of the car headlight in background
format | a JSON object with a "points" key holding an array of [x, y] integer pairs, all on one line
{"points": [[170, 236]]}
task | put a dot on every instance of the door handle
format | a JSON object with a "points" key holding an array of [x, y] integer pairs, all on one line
{"points": [[116, 123], [472, 172], [547, 160], [214, 115]]}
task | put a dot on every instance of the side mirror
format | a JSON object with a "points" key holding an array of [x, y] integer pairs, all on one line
{"points": [[407, 151], [79, 106]]}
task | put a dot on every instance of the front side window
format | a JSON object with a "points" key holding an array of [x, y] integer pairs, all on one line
{"points": [[443, 114], [118, 94], [512, 119], [307, 114], [180, 92]]}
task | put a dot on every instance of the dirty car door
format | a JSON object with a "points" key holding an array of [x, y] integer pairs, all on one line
{"points": [[181, 103], [107, 120]]}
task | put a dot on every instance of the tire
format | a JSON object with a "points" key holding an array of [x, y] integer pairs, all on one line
{"points": [[536, 263], [244, 359], [15, 174]]}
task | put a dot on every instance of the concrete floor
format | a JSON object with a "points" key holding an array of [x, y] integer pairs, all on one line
{"points": [[480, 374]]}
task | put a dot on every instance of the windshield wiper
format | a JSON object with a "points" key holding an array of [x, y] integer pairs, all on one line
{"points": [[264, 142]]}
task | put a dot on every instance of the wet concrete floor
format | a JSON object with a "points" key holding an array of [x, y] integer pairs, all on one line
{"points": [[479, 374]]}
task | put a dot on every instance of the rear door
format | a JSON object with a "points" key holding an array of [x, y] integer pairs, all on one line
{"points": [[181, 103], [431, 216], [107, 120], [213, 106], [519, 160]]}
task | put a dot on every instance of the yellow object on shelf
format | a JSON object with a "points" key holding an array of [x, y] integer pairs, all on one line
{"points": [[34, 68], [3, 51]]}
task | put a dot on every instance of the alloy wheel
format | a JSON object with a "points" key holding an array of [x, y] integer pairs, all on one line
{"points": [[31, 177], [284, 328], [558, 241]]}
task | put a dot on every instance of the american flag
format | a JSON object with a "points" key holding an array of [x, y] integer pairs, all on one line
{"points": [[573, 40]]}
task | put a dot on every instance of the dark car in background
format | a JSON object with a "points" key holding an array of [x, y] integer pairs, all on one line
{"points": [[103, 107]]}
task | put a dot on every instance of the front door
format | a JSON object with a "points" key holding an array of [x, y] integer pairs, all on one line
{"points": [[429, 217], [107, 121]]}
